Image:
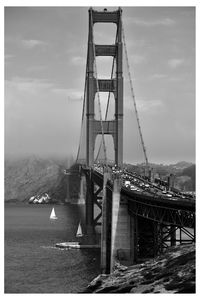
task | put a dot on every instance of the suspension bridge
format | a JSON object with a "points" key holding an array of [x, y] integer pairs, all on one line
{"points": [[136, 217]]}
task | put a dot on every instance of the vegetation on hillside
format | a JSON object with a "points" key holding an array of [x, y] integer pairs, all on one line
{"points": [[184, 173], [26, 177]]}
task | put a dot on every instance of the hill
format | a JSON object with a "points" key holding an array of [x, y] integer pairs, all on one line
{"points": [[184, 173], [26, 177], [191, 172]]}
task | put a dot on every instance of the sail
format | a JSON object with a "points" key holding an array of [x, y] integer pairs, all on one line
{"points": [[53, 214], [79, 231]]}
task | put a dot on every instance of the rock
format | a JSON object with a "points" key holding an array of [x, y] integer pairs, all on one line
{"points": [[172, 272], [119, 267]]}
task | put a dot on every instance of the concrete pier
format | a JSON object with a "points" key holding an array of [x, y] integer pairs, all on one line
{"points": [[121, 238], [105, 228]]}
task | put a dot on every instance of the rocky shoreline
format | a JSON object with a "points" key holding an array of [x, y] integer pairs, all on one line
{"points": [[173, 272]]}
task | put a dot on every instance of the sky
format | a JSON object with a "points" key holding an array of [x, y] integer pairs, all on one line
{"points": [[45, 60]]}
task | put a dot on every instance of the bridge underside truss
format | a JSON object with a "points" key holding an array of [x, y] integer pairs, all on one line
{"points": [[159, 227], [163, 215], [94, 197]]}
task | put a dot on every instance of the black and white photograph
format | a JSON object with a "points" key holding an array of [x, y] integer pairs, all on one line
{"points": [[99, 147]]}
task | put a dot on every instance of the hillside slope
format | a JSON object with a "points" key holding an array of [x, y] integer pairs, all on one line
{"points": [[191, 172], [30, 176], [184, 173]]}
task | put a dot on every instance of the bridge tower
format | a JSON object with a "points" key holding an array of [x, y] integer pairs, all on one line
{"points": [[115, 85], [132, 223]]}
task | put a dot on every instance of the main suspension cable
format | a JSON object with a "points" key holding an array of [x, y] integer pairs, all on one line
{"points": [[83, 110], [133, 97]]}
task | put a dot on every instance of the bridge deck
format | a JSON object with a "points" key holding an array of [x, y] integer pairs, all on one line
{"points": [[169, 211], [175, 202]]}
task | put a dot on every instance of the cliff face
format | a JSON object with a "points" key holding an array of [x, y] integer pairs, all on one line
{"points": [[172, 272]]}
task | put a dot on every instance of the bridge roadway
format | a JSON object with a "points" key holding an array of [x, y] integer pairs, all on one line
{"points": [[148, 201]]}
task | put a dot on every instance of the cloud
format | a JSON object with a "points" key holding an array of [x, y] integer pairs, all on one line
{"points": [[25, 85], [78, 60], [149, 105], [30, 44], [143, 105], [39, 118], [137, 59], [151, 23], [9, 56], [173, 63], [135, 43], [37, 68], [157, 76], [28, 85], [175, 78], [70, 94], [27, 44]]}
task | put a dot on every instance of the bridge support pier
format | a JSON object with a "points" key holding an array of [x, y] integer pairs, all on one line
{"points": [[122, 237], [106, 227], [89, 222], [119, 230]]}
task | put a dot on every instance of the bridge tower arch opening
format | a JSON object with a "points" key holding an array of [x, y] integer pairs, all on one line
{"points": [[105, 66], [107, 109], [94, 85], [104, 27], [98, 153]]}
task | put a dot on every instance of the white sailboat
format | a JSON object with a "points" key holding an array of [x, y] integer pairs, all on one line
{"points": [[79, 231], [53, 215]]}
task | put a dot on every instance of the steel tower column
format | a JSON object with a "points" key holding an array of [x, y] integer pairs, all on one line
{"points": [[112, 127], [90, 96], [119, 97]]}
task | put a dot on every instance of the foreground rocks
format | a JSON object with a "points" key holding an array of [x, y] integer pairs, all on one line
{"points": [[173, 272]]}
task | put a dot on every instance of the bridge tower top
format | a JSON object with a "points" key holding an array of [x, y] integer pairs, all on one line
{"points": [[113, 85]]}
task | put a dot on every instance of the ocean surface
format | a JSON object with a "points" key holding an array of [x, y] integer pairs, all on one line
{"points": [[32, 262]]}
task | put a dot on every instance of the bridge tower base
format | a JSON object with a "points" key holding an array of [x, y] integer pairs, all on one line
{"points": [[118, 231], [106, 227], [121, 250]]}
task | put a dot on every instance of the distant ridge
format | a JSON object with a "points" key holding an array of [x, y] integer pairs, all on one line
{"points": [[184, 173]]}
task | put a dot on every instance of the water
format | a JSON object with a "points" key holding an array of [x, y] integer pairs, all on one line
{"points": [[32, 263]]}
